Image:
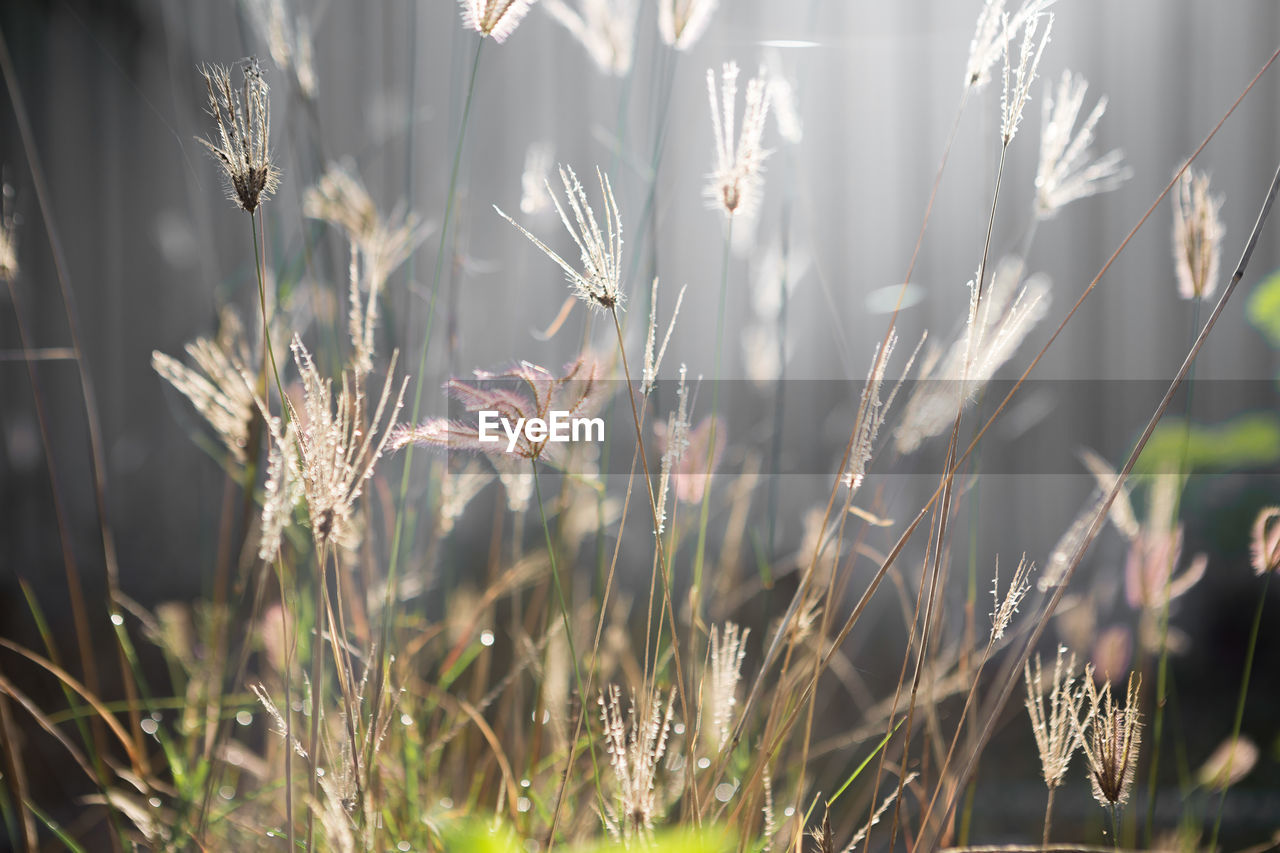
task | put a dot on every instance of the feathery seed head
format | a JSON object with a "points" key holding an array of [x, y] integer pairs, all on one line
{"points": [[635, 746], [1112, 741], [216, 386], [988, 37], [606, 28], [496, 19], [737, 179], [728, 648], [998, 324], [241, 143], [1058, 729], [1002, 615], [682, 22], [337, 450], [1197, 236], [1264, 545], [653, 361], [1017, 81], [872, 413], [599, 283], [1065, 172], [378, 247]]}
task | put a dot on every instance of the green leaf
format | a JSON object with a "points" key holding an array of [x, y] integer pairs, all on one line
{"points": [[1263, 308], [480, 837], [1243, 442]]}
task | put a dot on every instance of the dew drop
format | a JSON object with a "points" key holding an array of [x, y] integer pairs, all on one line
{"points": [[523, 804], [486, 637], [117, 619], [244, 718], [150, 726]]}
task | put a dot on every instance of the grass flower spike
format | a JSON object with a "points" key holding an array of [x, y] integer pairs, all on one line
{"points": [[216, 386], [1057, 728], [988, 37], [337, 450], [682, 22], [1065, 173], [736, 181], [604, 27], [1197, 236], [635, 752], [1112, 741], [242, 118], [495, 19], [1018, 80], [1005, 608], [599, 283]]}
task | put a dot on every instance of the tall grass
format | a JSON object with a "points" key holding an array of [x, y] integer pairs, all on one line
{"points": [[385, 694]]}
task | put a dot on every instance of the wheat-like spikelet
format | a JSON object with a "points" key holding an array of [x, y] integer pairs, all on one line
{"points": [[216, 386], [635, 747], [599, 283], [1197, 236], [989, 34], [728, 648], [606, 28], [1058, 728], [378, 246], [998, 324], [283, 489], [241, 144], [872, 413], [1006, 607], [495, 19], [1017, 81], [1067, 171], [682, 22], [1112, 740], [736, 181], [652, 360], [337, 449]]}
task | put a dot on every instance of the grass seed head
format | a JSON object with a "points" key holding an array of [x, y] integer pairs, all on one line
{"points": [[242, 131]]}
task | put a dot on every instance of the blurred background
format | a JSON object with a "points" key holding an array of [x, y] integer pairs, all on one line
{"points": [[152, 250]]}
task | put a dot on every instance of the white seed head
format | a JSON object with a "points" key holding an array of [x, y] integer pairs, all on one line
{"points": [[735, 183], [1066, 171]]}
